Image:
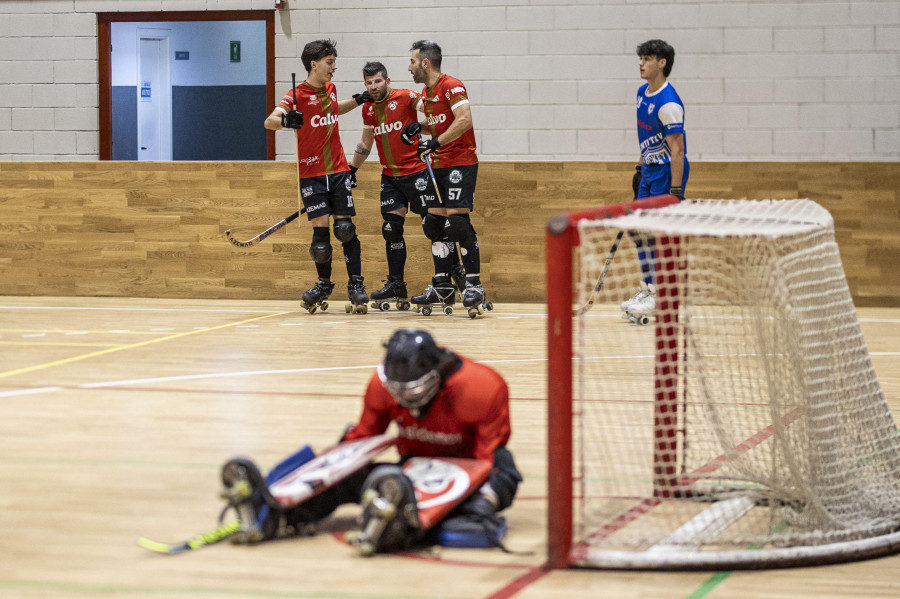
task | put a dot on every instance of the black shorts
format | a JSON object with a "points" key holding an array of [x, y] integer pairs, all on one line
{"points": [[415, 191], [328, 194], [457, 185]]}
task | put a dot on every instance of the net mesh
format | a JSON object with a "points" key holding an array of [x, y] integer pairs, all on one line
{"points": [[746, 416]]}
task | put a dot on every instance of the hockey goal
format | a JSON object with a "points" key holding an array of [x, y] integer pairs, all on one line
{"points": [[743, 426]]}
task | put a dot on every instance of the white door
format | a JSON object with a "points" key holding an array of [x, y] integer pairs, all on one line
{"points": [[154, 96]]}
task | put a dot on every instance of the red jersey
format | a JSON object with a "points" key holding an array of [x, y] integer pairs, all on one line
{"points": [[469, 417], [319, 149], [387, 119], [438, 102]]}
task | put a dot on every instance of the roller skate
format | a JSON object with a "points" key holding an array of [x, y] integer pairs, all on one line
{"points": [[356, 292], [473, 298], [441, 292], [639, 309], [244, 488], [315, 297], [394, 290], [390, 520]]}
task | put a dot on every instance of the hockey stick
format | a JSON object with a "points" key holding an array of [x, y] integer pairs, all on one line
{"points": [[264, 234], [609, 259], [201, 540]]}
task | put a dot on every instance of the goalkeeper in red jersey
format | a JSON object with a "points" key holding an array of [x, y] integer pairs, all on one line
{"points": [[443, 405]]}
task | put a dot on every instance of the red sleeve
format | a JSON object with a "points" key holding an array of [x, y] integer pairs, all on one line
{"points": [[376, 414]]}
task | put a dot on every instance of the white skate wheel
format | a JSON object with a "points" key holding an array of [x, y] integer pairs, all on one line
{"points": [[348, 308], [366, 549]]}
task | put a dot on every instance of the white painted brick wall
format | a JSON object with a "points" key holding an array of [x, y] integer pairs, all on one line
{"points": [[548, 79]]}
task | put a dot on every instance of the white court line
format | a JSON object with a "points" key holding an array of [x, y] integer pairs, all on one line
{"points": [[188, 377], [114, 309], [30, 391]]}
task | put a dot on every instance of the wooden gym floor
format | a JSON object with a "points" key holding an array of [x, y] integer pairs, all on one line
{"points": [[116, 414]]}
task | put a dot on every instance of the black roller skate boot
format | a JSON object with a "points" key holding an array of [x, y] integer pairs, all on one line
{"points": [[441, 292], [315, 297], [473, 298], [394, 290], [356, 293], [458, 274], [390, 520], [245, 489]]}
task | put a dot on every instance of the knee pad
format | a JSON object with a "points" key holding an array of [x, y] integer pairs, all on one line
{"points": [[504, 478], [344, 229], [392, 228], [460, 228], [320, 251], [433, 226]]}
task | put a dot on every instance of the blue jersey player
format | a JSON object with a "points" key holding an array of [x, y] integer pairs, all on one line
{"points": [[664, 168]]}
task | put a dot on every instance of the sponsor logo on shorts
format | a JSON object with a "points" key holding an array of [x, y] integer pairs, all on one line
{"points": [[348, 183], [317, 207], [421, 184], [388, 202], [455, 176], [306, 191]]}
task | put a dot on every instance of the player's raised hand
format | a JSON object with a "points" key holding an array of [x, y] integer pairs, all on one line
{"points": [[408, 135], [292, 119], [363, 97], [427, 147]]}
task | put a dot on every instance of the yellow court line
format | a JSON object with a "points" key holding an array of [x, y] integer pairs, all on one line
{"points": [[131, 346]]}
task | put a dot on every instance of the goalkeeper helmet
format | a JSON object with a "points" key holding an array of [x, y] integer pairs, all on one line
{"points": [[413, 368]]}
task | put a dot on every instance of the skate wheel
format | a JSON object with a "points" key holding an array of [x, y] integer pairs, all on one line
{"points": [[448, 310], [366, 549], [388, 511], [368, 496], [383, 306], [403, 305], [473, 312], [324, 306], [348, 308], [311, 309], [354, 537], [642, 319], [426, 311], [363, 309], [489, 306]]}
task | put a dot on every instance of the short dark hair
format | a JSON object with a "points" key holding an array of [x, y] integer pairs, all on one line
{"points": [[373, 68], [659, 49], [430, 50], [317, 50]]}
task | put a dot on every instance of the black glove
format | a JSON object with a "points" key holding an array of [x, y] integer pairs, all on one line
{"points": [[427, 147], [353, 170], [677, 192], [408, 135], [636, 180], [292, 119], [363, 97]]}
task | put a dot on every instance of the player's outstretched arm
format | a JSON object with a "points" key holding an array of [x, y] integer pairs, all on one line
{"points": [[273, 121]]}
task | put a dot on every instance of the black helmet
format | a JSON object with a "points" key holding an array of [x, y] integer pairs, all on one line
{"points": [[412, 369]]}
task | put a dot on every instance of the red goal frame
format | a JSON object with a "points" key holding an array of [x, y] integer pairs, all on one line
{"points": [[561, 239]]}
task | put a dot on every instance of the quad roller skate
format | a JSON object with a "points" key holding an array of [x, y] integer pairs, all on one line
{"points": [[394, 290], [390, 521], [315, 297], [639, 309], [246, 491], [356, 292], [473, 299], [441, 292]]}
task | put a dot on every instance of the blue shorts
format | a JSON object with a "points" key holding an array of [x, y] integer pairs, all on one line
{"points": [[656, 179]]}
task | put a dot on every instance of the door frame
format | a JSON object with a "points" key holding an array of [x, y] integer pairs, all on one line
{"points": [[105, 60]]}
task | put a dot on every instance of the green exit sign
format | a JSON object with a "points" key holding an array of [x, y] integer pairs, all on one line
{"points": [[235, 51]]}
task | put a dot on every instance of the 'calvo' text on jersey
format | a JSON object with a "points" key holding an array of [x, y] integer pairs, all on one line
{"points": [[323, 121], [388, 127], [436, 118]]}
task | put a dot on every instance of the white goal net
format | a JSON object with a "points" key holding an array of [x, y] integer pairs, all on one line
{"points": [[743, 426]]}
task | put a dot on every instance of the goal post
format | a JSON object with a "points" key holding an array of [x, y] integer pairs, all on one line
{"points": [[743, 426]]}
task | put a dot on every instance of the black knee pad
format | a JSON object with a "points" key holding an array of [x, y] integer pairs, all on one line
{"points": [[433, 226], [344, 229], [320, 248], [504, 478], [460, 228], [392, 228]]}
